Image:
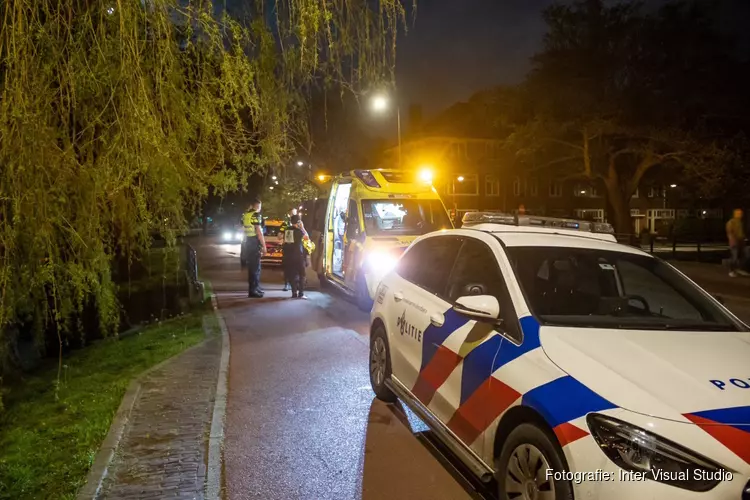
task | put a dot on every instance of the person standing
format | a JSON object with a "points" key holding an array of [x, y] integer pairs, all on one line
{"points": [[736, 236], [252, 221], [293, 259], [284, 226]]}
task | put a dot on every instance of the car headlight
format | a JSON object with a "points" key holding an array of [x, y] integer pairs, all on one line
{"points": [[238, 236], [381, 261], [227, 236], [638, 450]]}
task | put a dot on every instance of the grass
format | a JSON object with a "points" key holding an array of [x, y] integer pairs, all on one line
{"points": [[48, 443]]}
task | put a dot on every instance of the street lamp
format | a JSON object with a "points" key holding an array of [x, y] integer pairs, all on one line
{"points": [[273, 178], [380, 105], [300, 163], [673, 185], [460, 178]]}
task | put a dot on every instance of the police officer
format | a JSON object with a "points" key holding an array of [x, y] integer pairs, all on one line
{"points": [[252, 221], [287, 224]]}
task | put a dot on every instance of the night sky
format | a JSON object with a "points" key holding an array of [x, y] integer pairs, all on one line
{"points": [[456, 47]]}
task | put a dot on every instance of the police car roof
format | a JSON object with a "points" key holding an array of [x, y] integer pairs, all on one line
{"points": [[538, 237], [502, 228]]}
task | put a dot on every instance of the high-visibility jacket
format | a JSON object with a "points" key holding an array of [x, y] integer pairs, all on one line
{"points": [[249, 221]]}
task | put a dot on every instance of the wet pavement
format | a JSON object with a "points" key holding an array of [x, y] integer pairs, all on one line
{"points": [[302, 421]]}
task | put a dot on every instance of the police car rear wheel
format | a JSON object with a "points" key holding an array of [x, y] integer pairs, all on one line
{"points": [[380, 365], [526, 456]]}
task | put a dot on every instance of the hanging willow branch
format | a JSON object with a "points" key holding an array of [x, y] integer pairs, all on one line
{"points": [[117, 117]]}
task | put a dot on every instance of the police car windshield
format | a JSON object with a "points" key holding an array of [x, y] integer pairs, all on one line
{"points": [[602, 289], [404, 217]]}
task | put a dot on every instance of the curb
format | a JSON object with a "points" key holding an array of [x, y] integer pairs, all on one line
{"points": [[214, 469], [103, 459]]}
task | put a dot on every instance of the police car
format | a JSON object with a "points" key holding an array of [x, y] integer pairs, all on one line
{"points": [[565, 365]]}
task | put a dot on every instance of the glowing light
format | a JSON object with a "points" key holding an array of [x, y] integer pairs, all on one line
{"points": [[300, 163], [673, 185], [426, 175], [273, 178], [379, 103], [460, 178], [383, 262], [270, 187], [322, 177], [583, 192]]}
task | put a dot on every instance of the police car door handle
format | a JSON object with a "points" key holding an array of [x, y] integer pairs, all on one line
{"points": [[437, 319], [398, 296]]}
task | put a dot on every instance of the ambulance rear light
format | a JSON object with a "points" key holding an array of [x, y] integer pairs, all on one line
{"points": [[367, 177], [473, 218]]}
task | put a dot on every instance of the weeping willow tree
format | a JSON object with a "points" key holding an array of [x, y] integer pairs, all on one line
{"points": [[117, 118]]}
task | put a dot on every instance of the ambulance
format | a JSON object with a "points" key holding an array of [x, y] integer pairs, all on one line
{"points": [[371, 218]]}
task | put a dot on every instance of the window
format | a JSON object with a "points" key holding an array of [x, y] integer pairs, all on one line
{"points": [[466, 184], [476, 273], [590, 214], [590, 288], [420, 263], [655, 192], [555, 189], [492, 186], [517, 186], [352, 221], [403, 217], [585, 191], [533, 184]]}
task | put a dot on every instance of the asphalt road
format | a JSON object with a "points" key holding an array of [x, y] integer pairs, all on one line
{"points": [[302, 421]]}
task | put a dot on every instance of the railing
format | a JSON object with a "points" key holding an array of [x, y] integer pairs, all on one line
{"points": [[679, 247], [196, 288], [191, 265]]}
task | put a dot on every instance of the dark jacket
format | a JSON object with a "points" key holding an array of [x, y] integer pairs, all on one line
{"points": [[293, 258]]}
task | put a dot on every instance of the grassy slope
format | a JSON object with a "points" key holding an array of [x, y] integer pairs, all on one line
{"points": [[48, 445]]}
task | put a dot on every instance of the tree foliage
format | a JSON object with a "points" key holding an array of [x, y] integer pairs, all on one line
{"points": [[117, 117], [289, 193], [619, 94]]}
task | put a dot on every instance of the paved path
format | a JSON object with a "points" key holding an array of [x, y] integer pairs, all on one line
{"points": [[302, 421], [162, 453], [715, 279]]}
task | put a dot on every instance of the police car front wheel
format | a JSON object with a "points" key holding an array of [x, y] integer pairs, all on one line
{"points": [[525, 464], [380, 365]]}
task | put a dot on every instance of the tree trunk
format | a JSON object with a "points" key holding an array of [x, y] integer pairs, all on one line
{"points": [[620, 211]]}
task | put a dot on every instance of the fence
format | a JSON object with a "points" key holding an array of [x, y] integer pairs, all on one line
{"points": [[680, 247], [195, 286]]}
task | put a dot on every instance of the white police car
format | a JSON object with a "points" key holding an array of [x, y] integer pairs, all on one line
{"points": [[564, 364]]}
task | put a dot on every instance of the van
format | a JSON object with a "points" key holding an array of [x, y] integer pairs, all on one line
{"points": [[371, 217]]}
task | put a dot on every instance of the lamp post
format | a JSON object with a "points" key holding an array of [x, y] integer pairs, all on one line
{"points": [[380, 105], [460, 178]]}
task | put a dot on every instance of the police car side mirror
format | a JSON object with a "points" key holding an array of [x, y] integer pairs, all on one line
{"points": [[481, 307]]}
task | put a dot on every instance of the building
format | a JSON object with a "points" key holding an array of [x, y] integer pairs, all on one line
{"points": [[474, 174]]}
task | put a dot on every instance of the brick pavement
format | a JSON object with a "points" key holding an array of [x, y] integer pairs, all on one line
{"points": [[163, 451]]}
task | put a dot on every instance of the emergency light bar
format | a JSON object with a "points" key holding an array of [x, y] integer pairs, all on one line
{"points": [[472, 218]]}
